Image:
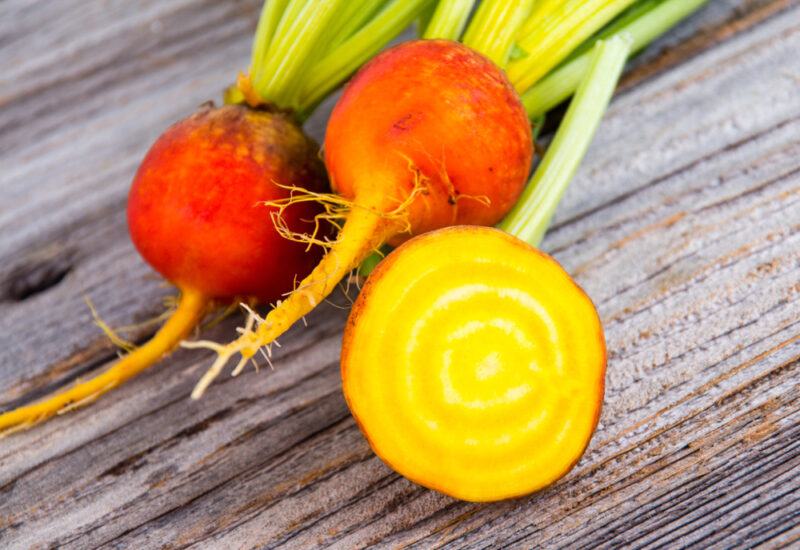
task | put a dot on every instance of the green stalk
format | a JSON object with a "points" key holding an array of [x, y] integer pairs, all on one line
{"points": [[644, 23], [494, 28], [425, 17], [616, 26], [553, 31], [259, 70], [528, 220], [301, 29], [449, 19], [327, 73], [267, 23], [349, 18], [354, 14]]}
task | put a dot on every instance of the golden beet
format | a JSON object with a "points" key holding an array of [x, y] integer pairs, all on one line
{"points": [[474, 365]]}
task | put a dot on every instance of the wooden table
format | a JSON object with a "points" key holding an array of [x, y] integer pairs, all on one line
{"points": [[683, 226]]}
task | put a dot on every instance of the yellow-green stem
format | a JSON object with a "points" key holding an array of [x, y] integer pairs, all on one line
{"points": [[644, 22], [529, 218], [494, 28], [449, 19], [271, 15], [554, 29], [353, 16], [296, 40], [327, 73]]}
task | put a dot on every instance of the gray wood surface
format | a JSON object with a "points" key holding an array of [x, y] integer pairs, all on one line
{"points": [[683, 226]]}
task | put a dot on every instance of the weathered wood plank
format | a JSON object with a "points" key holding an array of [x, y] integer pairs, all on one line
{"points": [[684, 226]]}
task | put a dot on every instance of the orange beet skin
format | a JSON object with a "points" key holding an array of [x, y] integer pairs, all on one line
{"points": [[437, 110], [195, 212]]}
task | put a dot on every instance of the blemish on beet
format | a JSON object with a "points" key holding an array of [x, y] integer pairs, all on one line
{"points": [[404, 123]]}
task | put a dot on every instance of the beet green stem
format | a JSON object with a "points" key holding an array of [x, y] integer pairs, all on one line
{"points": [[353, 16], [270, 17], [528, 220], [449, 19], [644, 22], [555, 29], [303, 49], [494, 28], [329, 71], [298, 35]]}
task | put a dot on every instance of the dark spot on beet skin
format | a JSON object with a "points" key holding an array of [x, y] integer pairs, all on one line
{"points": [[403, 124]]}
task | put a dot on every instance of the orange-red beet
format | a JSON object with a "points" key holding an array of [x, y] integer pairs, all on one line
{"points": [[428, 134], [195, 212], [439, 110]]}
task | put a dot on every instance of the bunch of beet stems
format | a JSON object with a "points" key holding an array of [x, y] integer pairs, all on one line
{"points": [[544, 47], [302, 51]]}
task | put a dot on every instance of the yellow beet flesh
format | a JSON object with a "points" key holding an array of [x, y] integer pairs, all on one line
{"points": [[474, 365]]}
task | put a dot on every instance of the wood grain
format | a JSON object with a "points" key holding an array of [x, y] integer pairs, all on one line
{"points": [[683, 226]]}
